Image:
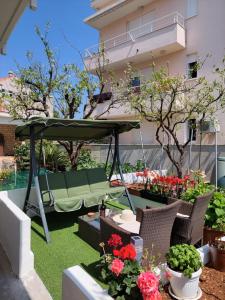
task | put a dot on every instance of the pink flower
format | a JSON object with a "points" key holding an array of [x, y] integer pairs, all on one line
{"points": [[117, 266], [148, 283]]}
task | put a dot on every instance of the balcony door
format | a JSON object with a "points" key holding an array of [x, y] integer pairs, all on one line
{"points": [[141, 25]]}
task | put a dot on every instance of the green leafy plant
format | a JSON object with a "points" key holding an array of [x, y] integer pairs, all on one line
{"points": [[85, 160], [199, 188], [126, 278], [56, 158], [139, 165], [4, 174], [215, 214], [184, 258], [22, 155]]}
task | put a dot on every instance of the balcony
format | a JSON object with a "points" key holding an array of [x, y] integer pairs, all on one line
{"points": [[109, 11], [160, 37]]}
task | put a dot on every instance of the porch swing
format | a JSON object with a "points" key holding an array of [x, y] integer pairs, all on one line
{"points": [[68, 191]]}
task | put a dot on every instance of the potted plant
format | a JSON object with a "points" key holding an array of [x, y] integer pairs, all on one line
{"points": [[125, 276], [217, 254], [215, 218], [160, 188], [185, 267]]}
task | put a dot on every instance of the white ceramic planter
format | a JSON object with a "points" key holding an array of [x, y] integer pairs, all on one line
{"points": [[182, 286]]}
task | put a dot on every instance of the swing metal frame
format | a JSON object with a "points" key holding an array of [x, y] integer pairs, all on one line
{"points": [[43, 128]]}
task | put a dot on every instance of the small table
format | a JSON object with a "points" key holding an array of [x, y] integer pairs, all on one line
{"points": [[89, 229], [89, 226]]}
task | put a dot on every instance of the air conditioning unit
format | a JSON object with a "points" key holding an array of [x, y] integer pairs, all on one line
{"points": [[209, 126]]}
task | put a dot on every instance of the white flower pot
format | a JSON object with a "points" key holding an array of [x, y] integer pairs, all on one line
{"points": [[182, 286]]}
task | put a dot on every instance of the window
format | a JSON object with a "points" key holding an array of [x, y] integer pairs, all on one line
{"points": [[140, 26], [192, 70], [192, 130], [192, 8], [135, 82]]}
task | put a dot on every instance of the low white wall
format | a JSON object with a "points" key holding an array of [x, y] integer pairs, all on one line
{"points": [[18, 196], [77, 284], [15, 233]]}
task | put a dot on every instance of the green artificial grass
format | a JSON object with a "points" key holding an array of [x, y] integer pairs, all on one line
{"points": [[65, 250]]}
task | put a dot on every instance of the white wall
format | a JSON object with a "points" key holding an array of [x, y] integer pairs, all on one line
{"points": [[79, 285], [15, 234]]}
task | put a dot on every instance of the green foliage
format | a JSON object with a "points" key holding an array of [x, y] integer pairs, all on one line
{"points": [[215, 215], [56, 158], [85, 160], [124, 286], [22, 155], [184, 258], [4, 174], [199, 189]]}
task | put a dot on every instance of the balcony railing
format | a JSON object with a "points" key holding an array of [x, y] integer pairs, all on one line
{"points": [[133, 35]]}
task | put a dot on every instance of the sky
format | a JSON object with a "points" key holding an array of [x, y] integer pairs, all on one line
{"points": [[66, 28]]}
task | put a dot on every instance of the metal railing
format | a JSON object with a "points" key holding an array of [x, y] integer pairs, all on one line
{"points": [[134, 34]]}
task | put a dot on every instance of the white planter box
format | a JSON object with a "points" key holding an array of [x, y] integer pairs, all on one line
{"points": [[77, 284]]}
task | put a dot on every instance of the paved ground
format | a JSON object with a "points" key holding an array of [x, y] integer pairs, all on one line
{"points": [[11, 288]]}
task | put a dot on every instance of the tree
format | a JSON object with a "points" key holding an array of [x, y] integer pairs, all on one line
{"points": [[171, 101], [39, 86]]}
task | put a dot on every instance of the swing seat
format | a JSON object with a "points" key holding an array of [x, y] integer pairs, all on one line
{"points": [[71, 190]]}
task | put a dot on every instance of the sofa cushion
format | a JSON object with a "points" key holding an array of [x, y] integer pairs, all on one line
{"points": [[77, 183], [57, 186], [97, 179]]}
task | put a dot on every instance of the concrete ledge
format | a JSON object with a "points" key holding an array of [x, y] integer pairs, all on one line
{"points": [[15, 235], [77, 284]]}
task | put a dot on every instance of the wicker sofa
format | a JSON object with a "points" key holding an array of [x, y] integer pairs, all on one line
{"points": [[71, 190], [155, 228], [189, 227]]}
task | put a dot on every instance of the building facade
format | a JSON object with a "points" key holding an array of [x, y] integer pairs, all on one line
{"points": [[172, 33], [7, 124]]}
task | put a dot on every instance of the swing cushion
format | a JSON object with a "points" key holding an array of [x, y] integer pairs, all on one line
{"points": [[72, 189], [97, 179], [57, 186], [77, 183], [68, 204]]}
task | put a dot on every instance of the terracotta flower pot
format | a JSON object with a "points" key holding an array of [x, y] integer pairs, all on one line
{"points": [[217, 257], [210, 234]]}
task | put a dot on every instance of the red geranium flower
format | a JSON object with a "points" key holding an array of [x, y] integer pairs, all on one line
{"points": [[126, 252], [115, 240]]}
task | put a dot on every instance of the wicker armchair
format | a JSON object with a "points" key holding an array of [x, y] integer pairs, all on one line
{"points": [[189, 230], [107, 227], [156, 226], [155, 229]]}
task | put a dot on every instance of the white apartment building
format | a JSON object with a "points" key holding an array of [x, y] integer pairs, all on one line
{"points": [[172, 33]]}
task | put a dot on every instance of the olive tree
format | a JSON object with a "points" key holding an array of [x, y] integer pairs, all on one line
{"points": [[171, 101], [67, 90]]}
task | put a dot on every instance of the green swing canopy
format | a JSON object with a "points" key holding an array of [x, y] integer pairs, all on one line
{"points": [[71, 130]]}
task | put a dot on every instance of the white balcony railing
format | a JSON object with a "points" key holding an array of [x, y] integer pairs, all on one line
{"points": [[133, 35]]}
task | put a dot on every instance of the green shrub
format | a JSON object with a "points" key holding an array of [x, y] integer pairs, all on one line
{"points": [[4, 174], [85, 160], [184, 258], [199, 189], [22, 155], [215, 215]]}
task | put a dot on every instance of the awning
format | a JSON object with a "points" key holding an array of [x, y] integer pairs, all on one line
{"points": [[71, 130]]}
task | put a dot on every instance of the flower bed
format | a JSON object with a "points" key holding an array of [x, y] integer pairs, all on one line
{"points": [[126, 278]]}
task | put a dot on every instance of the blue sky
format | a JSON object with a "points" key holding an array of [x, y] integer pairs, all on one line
{"points": [[66, 19]]}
